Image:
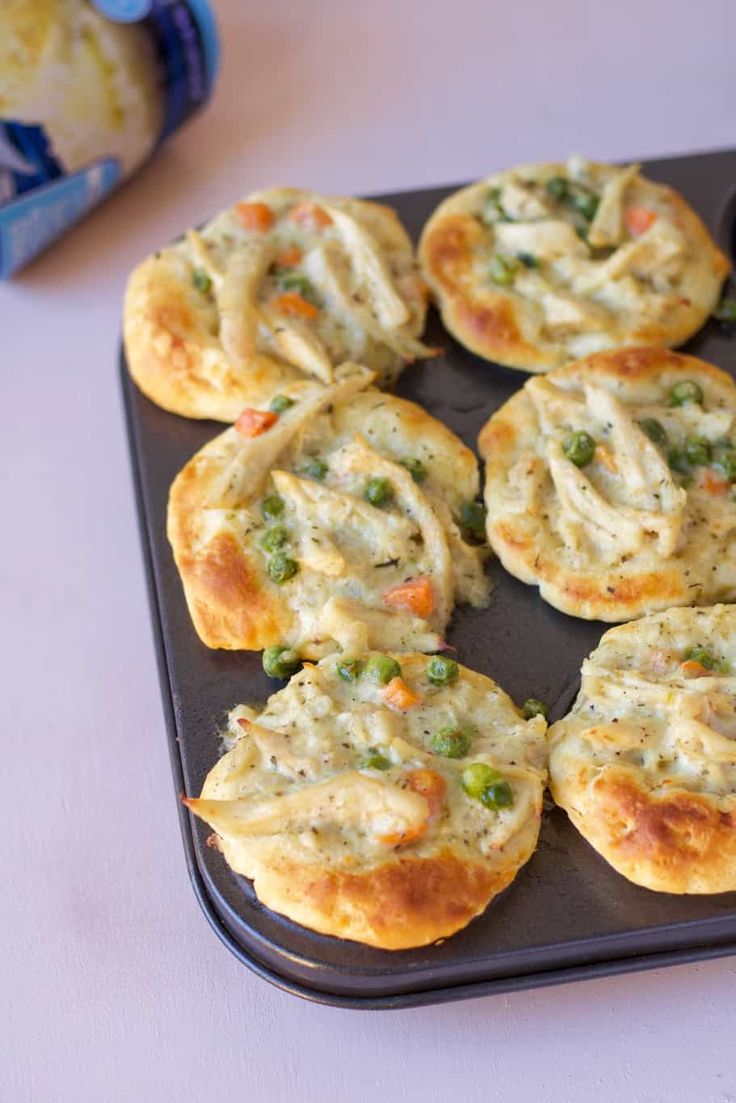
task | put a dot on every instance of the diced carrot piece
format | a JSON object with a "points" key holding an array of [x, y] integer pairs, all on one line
{"points": [[416, 595], [638, 220], [693, 669], [712, 483], [289, 258], [311, 216], [398, 695], [401, 838], [430, 785], [605, 456], [293, 304], [252, 423], [254, 216]]}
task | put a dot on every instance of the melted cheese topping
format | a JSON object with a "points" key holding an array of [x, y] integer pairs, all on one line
{"points": [[298, 778]]}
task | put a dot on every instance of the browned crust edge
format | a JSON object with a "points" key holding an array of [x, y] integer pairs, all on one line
{"points": [[677, 842], [405, 902], [230, 602], [484, 320]]}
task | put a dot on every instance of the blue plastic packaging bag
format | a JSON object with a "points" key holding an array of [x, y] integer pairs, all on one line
{"points": [[88, 91]]}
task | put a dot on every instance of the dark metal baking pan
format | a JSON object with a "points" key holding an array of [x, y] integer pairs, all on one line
{"points": [[568, 915]]}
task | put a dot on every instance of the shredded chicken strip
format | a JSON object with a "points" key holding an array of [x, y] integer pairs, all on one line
{"points": [[324, 508], [607, 225], [276, 748], [203, 258], [582, 505], [359, 458], [298, 344], [254, 458], [237, 296], [325, 266], [357, 628], [640, 464], [350, 800], [371, 268]]}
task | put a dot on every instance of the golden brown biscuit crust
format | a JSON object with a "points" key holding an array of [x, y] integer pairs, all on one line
{"points": [[513, 327], [173, 351], [482, 319], [636, 764], [680, 842], [233, 602], [175, 334], [347, 883], [587, 586], [404, 903]]}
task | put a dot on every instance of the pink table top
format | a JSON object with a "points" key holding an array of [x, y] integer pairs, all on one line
{"points": [[114, 988]]}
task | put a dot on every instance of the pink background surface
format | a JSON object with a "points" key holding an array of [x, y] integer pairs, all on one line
{"points": [[113, 987]]}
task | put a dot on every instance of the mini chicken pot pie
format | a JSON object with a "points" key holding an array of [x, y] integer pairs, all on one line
{"points": [[537, 266], [609, 484], [385, 798], [334, 516], [645, 763], [285, 284]]}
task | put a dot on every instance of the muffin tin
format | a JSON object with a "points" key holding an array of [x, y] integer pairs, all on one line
{"points": [[568, 915]]}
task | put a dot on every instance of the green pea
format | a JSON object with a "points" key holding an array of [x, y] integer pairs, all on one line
{"points": [[528, 260], [533, 707], [281, 568], [477, 777], [381, 669], [315, 469], [585, 203], [451, 742], [700, 655], [349, 669], [441, 670], [579, 448], [201, 280], [272, 507], [374, 760], [472, 517], [725, 462], [416, 469], [274, 538], [379, 492], [558, 188], [281, 662], [493, 211], [726, 311], [279, 403], [686, 391], [698, 451], [654, 429], [502, 269], [288, 280], [497, 795], [678, 461]]}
